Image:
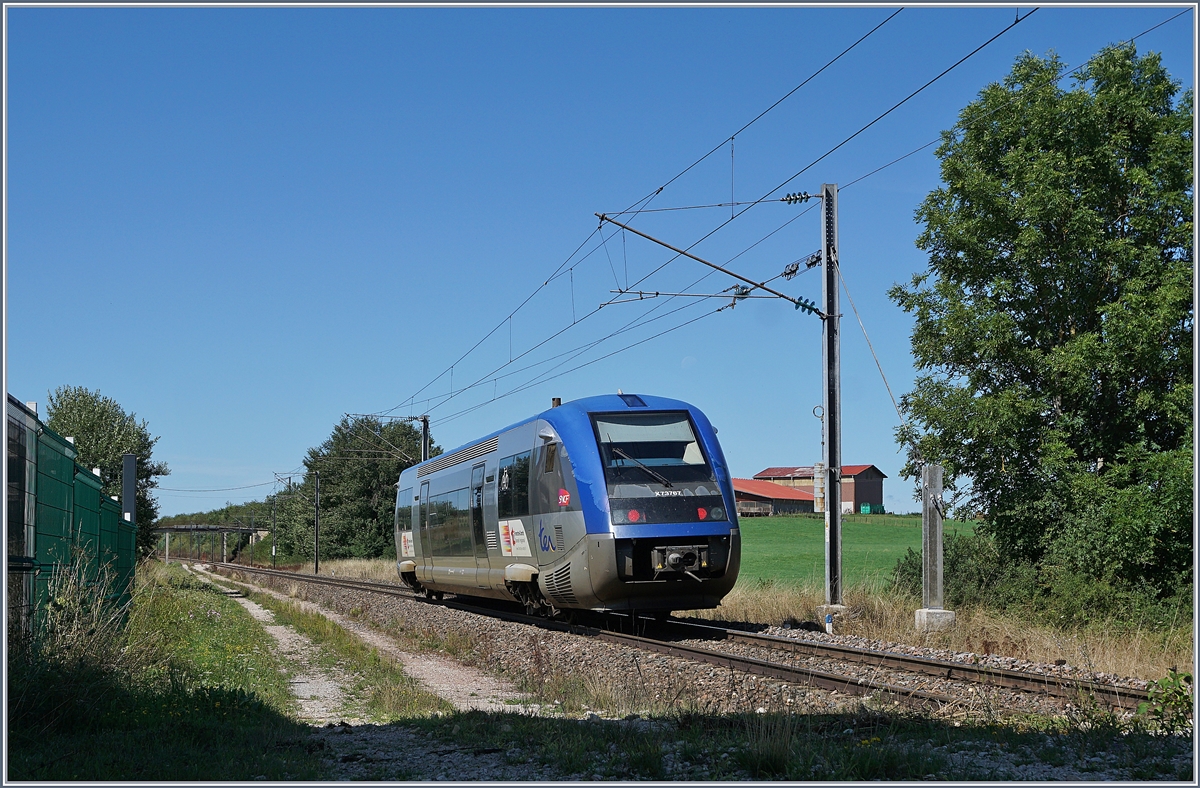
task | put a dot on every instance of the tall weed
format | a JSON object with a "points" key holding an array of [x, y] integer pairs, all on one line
{"points": [[76, 656]]}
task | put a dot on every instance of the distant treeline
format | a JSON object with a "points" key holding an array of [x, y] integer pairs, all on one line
{"points": [[359, 464]]}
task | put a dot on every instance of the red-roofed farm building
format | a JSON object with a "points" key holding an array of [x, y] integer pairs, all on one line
{"points": [[755, 498], [862, 485]]}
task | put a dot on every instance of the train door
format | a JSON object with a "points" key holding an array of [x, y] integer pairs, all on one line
{"points": [[477, 534], [426, 561]]}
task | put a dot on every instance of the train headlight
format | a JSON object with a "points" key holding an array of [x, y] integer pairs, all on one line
{"points": [[717, 513]]}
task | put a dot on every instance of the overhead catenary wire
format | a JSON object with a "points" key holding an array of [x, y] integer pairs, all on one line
{"points": [[779, 101], [765, 197], [214, 489], [492, 376], [537, 382], [649, 197], [635, 323], [1019, 18], [839, 145], [994, 110]]}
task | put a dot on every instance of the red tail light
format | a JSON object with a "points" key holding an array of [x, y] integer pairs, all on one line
{"points": [[634, 515], [702, 513]]}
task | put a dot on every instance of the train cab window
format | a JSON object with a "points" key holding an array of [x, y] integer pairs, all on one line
{"points": [[513, 489], [656, 469], [654, 445], [554, 489]]}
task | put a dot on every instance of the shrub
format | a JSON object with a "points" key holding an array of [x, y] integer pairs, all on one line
{"points": [[976, 573]]}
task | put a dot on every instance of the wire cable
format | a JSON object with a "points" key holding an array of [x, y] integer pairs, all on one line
{"points": [[829, 152], [649, 197], [786, 96], [532, 383], [737, 214], [215, 489], [836, 147], [491, 376], [1012, 100]]}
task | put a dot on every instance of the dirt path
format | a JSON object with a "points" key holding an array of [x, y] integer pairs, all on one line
{"points": [[317, 691], [353, 749], [464, 687]]}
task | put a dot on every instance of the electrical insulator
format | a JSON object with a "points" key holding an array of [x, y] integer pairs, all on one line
{"points": [[807, 306]]}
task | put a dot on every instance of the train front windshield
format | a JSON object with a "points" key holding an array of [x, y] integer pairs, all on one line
{"points": [[656, 469]]}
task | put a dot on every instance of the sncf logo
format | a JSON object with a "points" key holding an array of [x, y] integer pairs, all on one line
{"points": [[564, 498]]}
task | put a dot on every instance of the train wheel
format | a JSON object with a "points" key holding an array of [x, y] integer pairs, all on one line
{"points": [[438, 595], [430, 594]]}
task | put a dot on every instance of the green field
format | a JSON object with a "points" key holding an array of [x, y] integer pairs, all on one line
{"points": [[792, 549]]}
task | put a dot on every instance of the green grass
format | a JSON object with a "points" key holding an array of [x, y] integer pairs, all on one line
{"points": [[791, 549], [209, 700]]}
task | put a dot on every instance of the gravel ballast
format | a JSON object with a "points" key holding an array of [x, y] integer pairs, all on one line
{"points": [[517, 653]]}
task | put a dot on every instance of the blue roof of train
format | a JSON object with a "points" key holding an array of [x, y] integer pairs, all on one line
{"points": [[559, 418]]}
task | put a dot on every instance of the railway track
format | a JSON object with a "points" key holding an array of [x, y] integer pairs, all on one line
{"points": [[888, 674], [1063, 688]]}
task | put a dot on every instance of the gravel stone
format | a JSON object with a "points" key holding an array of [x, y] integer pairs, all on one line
{"points": [[509, 651]]}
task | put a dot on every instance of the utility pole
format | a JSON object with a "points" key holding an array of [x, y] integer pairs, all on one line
{"points": [[831, 356], [317, 527], [424, 438], [273, 500]]}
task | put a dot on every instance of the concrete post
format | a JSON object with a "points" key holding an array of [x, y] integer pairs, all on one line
{"points": [[167, 560], [831, 355], [932, 616]]}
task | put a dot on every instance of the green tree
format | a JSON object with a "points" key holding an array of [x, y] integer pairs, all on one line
{"points": [[359, 465], [1053, 327], [103, 432]]}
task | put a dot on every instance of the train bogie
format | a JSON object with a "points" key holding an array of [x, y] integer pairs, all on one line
{"points": [[607, 503]]}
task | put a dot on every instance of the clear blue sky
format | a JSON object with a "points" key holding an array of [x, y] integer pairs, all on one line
{"points": [[242, 223]]}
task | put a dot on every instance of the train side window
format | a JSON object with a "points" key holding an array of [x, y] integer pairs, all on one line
{"points": [[404, 510], [520, 485], [504, 489], [477, 511], [450, 526], [513, 489]]}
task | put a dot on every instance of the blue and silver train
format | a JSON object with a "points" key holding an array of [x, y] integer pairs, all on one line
{"points": [[615, 502]]}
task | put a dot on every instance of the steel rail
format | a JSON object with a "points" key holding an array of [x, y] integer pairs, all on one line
{"points": [[850, 685], [1065, 688], [1068, 689]]}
